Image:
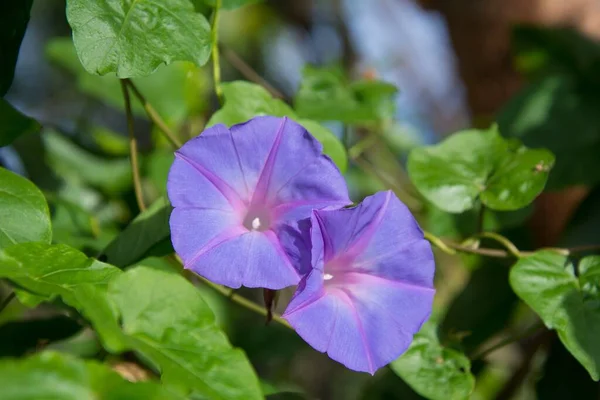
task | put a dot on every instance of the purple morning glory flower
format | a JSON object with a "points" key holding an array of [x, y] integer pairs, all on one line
{"points": [[371, 287], [237, 195]]}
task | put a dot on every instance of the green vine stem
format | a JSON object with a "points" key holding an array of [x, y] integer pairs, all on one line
{"points": [[154, 117], [439, 243], [135, 170], [453, 248], [215, 51], [510, 247]]}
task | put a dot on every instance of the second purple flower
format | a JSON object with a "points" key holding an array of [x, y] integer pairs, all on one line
{"points": [[371, 286]]}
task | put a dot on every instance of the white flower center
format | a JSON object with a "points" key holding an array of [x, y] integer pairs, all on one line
{"points": [[327, 277], [255, 224]]}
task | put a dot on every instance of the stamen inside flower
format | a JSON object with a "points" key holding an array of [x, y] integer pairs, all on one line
{"points": [[257, 219], [340, 269]]}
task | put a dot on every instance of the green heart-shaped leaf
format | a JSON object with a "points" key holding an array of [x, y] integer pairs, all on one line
{"points": [[433, 371], [475, 164], [133, 37], [566, 301]]}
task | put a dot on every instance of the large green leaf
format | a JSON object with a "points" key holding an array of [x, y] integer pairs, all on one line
{"points": [[245, 100], [559, 113], [151, 311], [133, 37], [53, 270], [146, 231], [14, 16], [325, 95], [566, 300], [434, 371], [165, 319], [24, 215], [175, 91], [14, 124], [56, 376], [475, 164]]}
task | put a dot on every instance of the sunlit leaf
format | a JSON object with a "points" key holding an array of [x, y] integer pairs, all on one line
{"points": [[244, 100], [56, 376], [133, 37], [474, 164], [24, 215], [434, 371], [567, 298], [166, 320], [53, 270], [152, 311]]}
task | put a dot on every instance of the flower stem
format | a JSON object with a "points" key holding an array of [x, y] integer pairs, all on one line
{"points": [[230, 294], [137, 182], [215, 51], [154, 117], [244, 302], [7, 301]]}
